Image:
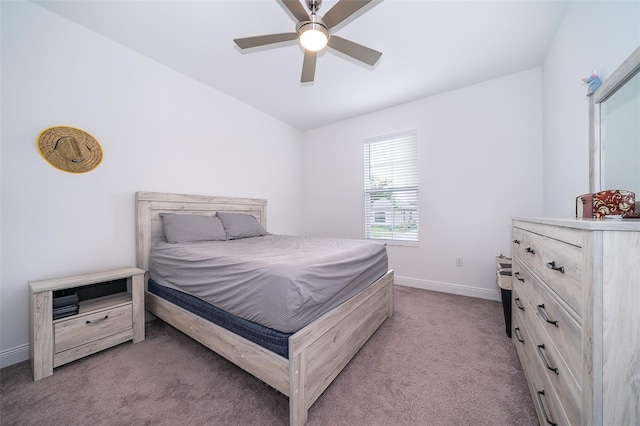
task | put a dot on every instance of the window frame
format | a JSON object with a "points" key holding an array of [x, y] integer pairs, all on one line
{"points": [[403, 166]]}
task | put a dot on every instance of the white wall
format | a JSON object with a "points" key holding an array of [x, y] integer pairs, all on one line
{"points": [[593, 35], [480, 152], [160, 131]]}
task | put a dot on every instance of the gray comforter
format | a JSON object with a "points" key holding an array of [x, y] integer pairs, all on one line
{"points": [[281, 282]]}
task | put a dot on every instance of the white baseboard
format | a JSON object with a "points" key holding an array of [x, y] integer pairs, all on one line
{"points": [[14, 355], [462, 290]]}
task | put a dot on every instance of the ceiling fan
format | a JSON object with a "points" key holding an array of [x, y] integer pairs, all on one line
{"points": [[314, 34]]}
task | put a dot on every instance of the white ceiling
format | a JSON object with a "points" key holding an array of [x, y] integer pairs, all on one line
{"points": [[428, 47]]}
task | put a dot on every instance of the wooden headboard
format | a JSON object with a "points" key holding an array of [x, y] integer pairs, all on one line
{"points": [[149, 205]]}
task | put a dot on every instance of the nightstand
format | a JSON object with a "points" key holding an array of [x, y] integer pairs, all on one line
{"points": [[101, 320]]}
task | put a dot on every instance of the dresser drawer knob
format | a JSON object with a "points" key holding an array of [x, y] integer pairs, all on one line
{"points": [[517, 275], [544, 316], [517, 332], [516, 302], [516, 241], [98, 320], [530, 250], [544, 360], [544, 412], [552, 265]]}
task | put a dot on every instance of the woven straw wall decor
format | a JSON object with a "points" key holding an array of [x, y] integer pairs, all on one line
{"points": [[69, 149]]}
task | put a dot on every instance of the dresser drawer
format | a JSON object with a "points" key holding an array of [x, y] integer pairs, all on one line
{"points": [[568, 235], [519, 302], [528, 246], [545, 398], [531, 303], [562, 271], [519, 319], [81, 329], [551, 364], [556, 262], [522, 280], [561, 327]]}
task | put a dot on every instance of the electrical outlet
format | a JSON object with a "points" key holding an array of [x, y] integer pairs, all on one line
{"points": [[458, 260]]}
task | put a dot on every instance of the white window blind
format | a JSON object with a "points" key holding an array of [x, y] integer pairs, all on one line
{"points": [[391, 187]]}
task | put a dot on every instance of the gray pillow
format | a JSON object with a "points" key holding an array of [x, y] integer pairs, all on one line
{"points": [[183, 228], [240, 225]]}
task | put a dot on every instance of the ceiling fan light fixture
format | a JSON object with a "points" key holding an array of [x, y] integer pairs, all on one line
{"points": [[313, 36]]}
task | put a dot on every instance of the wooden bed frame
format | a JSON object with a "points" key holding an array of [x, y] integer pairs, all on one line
{"points": [[317, 353]]}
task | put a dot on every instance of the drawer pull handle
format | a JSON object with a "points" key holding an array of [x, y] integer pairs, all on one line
{"points": [[544, 360], [516, 241], [98, 320], [544, 316], [516, 302], [517, 332], [544, 412], [552, 265], [530, 250], [517, 274]]}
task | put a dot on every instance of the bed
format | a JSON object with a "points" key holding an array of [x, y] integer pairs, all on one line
{"points": [[316, 353]]}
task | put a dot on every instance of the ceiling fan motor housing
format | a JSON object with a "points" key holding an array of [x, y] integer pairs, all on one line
{"points": [[314, 24]]}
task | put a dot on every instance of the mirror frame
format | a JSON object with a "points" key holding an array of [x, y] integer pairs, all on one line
{"points": [[618, 78]]}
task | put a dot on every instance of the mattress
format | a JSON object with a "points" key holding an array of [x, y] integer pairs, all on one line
{"points": [[273, 340], [278, 281]]}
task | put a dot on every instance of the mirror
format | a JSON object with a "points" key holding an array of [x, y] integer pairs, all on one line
{"points": [[614, 130]]}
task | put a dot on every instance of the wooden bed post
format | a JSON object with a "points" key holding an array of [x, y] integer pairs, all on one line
{"points": [[298, 410], [391, 300]]}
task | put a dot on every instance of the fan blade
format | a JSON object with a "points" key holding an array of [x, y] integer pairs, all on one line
{"points": [[342, 10], [355, 50], [308, 66], [296, 9], [247, 42]]}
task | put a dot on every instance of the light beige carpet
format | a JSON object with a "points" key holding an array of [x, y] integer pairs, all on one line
{"points": [[441, 360]]}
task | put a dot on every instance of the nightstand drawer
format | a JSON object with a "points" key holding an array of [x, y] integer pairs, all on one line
{"points": [[82, 329]]}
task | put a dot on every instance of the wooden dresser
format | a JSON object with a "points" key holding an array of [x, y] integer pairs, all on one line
{"points": [[576, 318]]}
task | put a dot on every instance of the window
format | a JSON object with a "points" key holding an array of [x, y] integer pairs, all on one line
{"points": [[391, 188]]}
